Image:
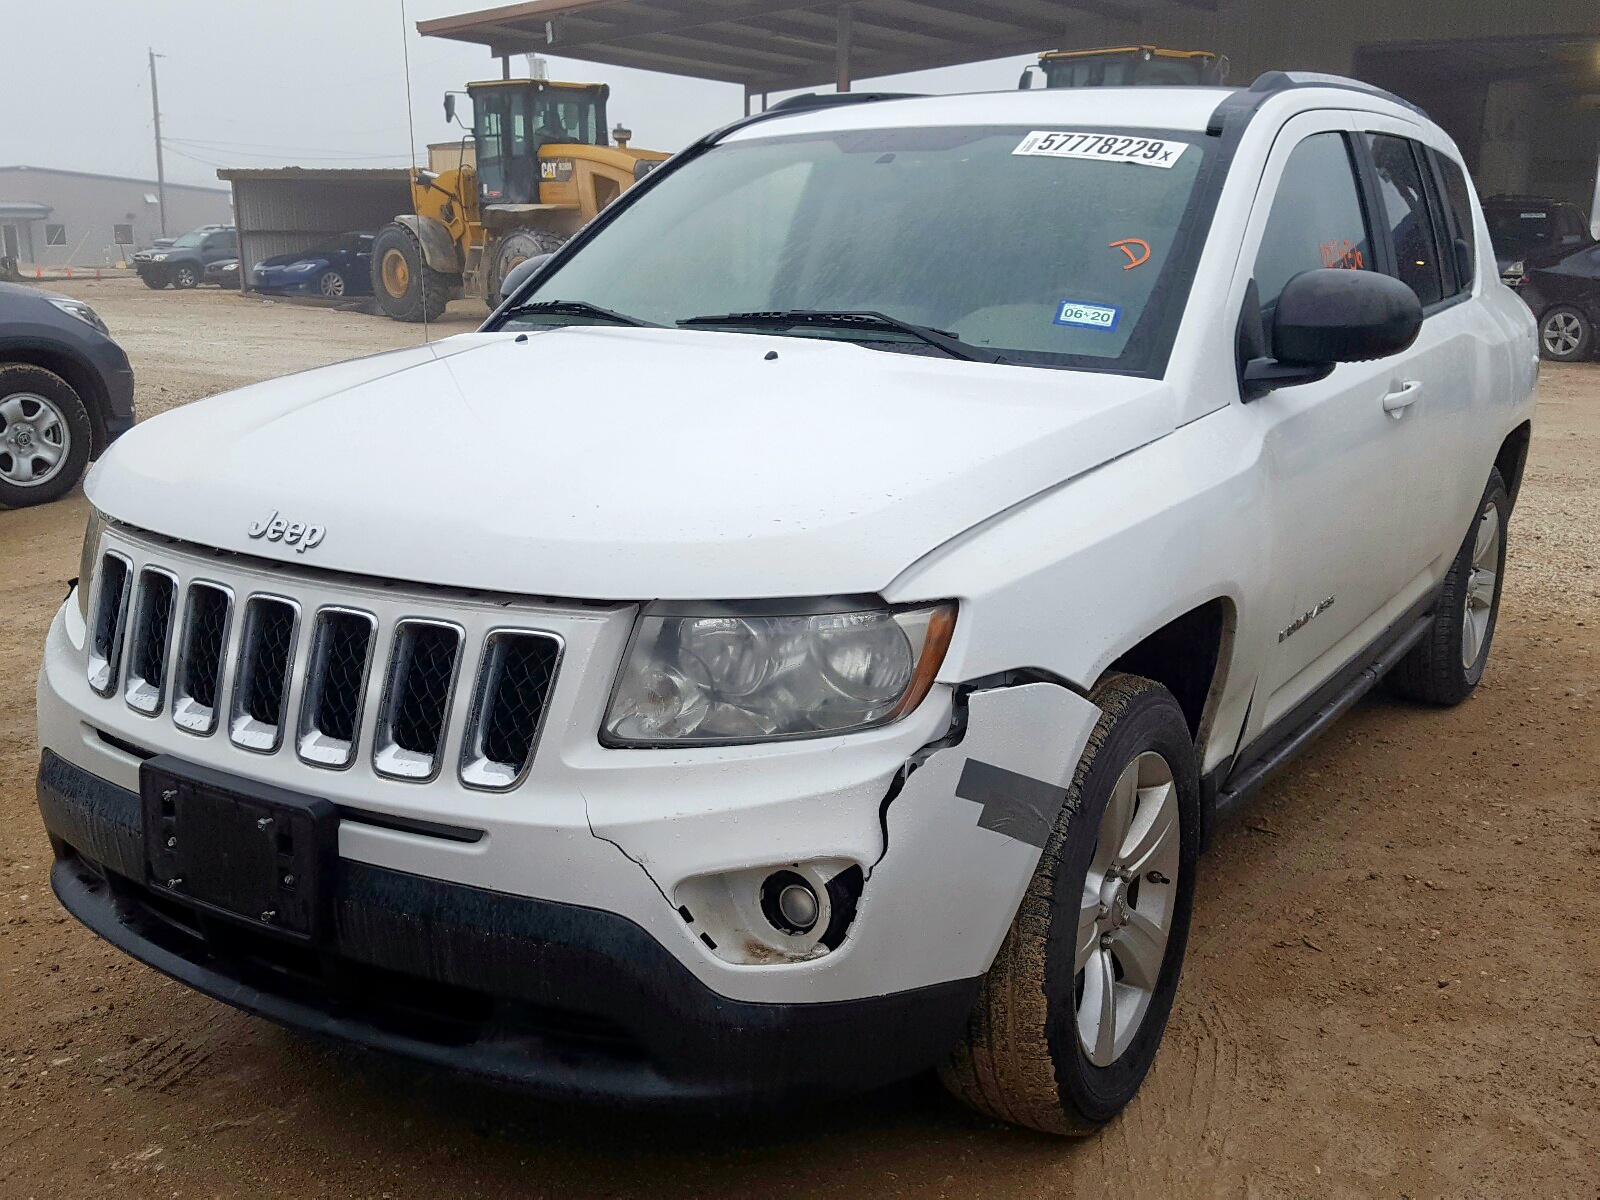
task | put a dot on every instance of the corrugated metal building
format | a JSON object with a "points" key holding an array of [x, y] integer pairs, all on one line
{"points": [[51, 218], [284, 209]]}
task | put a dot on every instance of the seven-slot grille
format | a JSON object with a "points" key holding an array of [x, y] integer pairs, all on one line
{"points": [[180, 641]]}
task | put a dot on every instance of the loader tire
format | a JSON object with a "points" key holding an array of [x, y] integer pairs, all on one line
{"points": [[512, 251], [407, 289]]}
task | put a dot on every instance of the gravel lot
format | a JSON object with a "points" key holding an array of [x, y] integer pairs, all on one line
{"points": [[1393, 986]]}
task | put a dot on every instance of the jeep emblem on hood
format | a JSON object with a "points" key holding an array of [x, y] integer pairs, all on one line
{"points": [[276, 528]]}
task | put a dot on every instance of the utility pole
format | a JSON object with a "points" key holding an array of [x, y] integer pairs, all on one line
{"points": [[161, 174]]}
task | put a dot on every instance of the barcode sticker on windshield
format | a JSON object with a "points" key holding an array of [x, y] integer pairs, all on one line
{"points": [[1106, 147]]}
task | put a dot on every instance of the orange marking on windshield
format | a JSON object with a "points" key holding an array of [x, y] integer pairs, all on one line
{"points": [[1135, 258]]}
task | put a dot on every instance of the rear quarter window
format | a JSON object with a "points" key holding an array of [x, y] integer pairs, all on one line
{"points": [[1464, 230]]}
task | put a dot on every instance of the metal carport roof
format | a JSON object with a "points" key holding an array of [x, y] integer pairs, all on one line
{"points": [[778, 45]]}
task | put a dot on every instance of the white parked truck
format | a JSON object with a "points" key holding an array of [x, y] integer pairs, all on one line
{"points": [[970, 501]]}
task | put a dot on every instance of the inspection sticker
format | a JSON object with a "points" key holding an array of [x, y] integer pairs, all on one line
{"points": [[1106, 147], [1088, 316]]}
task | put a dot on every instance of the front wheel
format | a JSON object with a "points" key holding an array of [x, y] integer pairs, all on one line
{"points": [[185, 276], [1566, 335], [1074, 1007], [44, 435], [1448, 663], [406, 287], [331, 285], [154, 282]]}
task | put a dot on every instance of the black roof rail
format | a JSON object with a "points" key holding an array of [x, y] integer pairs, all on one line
{"points": [[834, 99], [1270, 83], [1283, 81]]}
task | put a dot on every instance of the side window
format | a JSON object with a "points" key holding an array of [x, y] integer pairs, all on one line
{"points": [[1458, 197], [1316, 219], [1407, 220]]}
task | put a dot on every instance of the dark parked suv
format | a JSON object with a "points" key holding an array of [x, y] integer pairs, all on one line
{"points": [[183, 264], [1531, 231], [66, 393]]}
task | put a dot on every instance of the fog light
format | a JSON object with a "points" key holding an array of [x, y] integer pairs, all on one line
{"points": [[789, 903]]}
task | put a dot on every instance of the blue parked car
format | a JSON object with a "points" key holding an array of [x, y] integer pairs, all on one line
{"points": [[338, 268]]}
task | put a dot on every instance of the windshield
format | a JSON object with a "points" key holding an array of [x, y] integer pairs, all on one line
{"points": [[1006, 238], [1124, 70], [188, 240]]}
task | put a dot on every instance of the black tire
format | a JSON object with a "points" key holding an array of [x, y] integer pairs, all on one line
{"points": [[1566, 334], [422, 293], [18, 381], [1021, 1059], [514, 249], [1436, 671], [331, 285], [155, 282], [185, 276]]}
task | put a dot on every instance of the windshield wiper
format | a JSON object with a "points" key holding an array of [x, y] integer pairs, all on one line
{"points": [[843, 319], [578, 308]]}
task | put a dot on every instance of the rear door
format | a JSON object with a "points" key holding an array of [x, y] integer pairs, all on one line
{"points": [[1436, 438]]}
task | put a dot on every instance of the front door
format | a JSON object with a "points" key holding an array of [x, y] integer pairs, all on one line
{"points": [[1337, 485]]}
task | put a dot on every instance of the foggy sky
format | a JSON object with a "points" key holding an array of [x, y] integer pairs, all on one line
{"points": [[316, 83]]}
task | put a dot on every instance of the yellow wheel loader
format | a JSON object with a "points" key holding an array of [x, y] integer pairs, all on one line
{"points": [[542, 164], [1128, 66]]}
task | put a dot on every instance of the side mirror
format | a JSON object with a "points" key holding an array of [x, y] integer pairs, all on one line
{"points": [[1329, 316], [1026, 82], [449, 107], [520, 274]]}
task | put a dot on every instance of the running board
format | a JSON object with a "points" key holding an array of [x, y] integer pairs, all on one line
{"points": [[1248, 782]]}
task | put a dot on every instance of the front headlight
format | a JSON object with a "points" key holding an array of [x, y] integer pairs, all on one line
{"points": [[749, 675], [77, 308], [86, 559], [158, 258], [304, 266]]}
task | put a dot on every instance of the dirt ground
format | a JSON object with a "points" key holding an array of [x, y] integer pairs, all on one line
{"points": [[1393, 986]]}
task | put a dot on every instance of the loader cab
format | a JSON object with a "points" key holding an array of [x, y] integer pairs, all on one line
{"points": [[514, 119], [1129, 66]]}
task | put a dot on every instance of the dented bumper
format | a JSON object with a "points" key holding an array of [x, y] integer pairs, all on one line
{"points": [[596, 874]]}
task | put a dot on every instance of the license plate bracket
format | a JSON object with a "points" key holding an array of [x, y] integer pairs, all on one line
{"points": [[245, 851]]}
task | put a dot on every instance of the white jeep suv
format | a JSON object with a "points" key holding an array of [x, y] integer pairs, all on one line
{"points": [[808, 635]]}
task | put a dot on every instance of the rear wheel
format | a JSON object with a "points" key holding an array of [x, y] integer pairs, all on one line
{"points": [[1566, 335], [1449, 661], [515, 249], [406, 287], [1075, 1005], [185, 275], [44, 435], [331, 285]]}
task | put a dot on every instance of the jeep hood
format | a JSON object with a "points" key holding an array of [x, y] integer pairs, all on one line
{"points": [[621, 463]]}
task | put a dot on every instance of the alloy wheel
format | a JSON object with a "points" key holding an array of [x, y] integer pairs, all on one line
{"points": [[1126, 910], [1481, 586], [332, 285], [35, 439], [1563, 333]]}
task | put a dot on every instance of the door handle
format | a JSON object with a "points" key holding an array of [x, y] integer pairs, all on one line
{"points": [[1402, 397]]}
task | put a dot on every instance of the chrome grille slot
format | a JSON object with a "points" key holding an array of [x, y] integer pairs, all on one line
{"points": [[151, 635], [110, 619], [416, 699], [261, 686], [508, 707], [198, 678], [336, 679]]}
